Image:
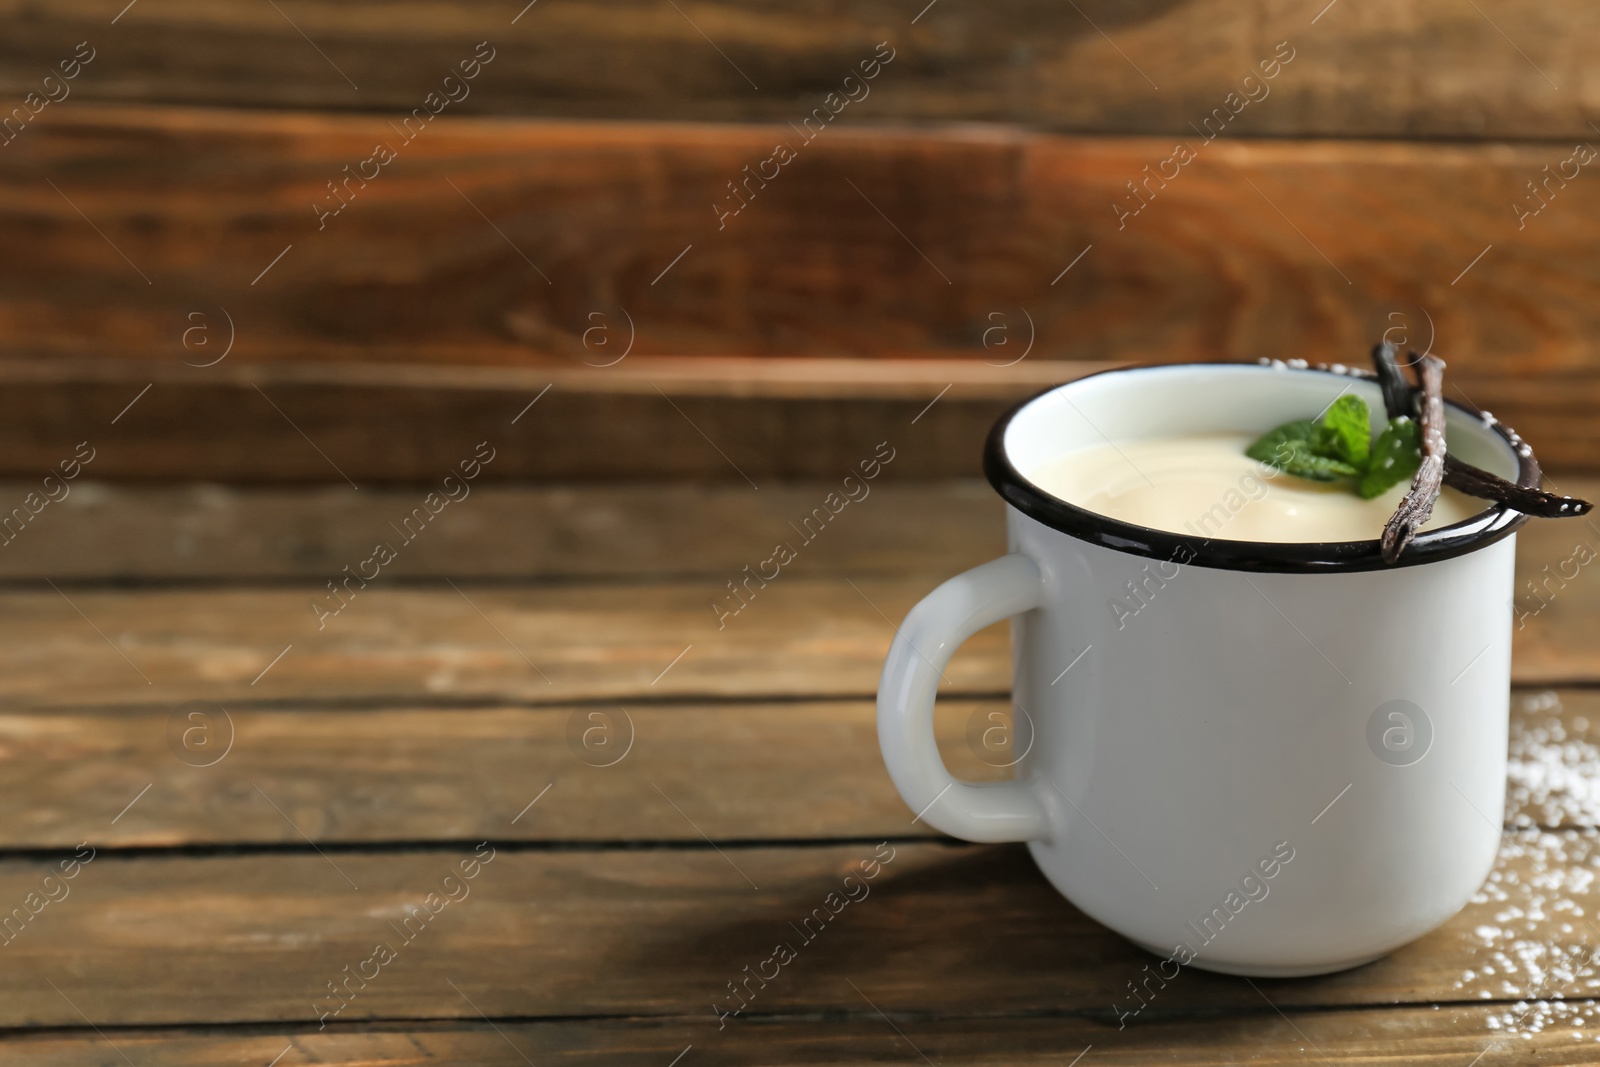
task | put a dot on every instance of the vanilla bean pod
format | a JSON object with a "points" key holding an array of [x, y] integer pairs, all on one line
{"points": [[1417, 506], [1474, 481], [1399, 398]]}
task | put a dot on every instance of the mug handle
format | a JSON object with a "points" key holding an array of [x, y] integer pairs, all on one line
{"points": [[986, 812]]}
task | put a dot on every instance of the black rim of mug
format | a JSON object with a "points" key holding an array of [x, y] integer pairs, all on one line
{"points": [[1492, 524]]}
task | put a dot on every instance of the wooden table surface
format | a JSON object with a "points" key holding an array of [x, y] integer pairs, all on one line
{"points": [[536, 692]]}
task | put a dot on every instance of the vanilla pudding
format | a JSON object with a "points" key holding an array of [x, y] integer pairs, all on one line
{"points": [[1204, 485]]}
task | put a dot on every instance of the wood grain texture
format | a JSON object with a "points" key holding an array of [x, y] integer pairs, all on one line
{"points": [[555, 644], [377, 425], [759, 771], [104, 531], [1419, 68], [1253, 249], [880, 243], [773, 771], [242, 938], [1556, 607], [1368, 1038]]}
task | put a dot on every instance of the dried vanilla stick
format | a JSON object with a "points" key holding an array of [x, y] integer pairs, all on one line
{"points": [[1399, 398], [1475, 481], [1417, 506]]}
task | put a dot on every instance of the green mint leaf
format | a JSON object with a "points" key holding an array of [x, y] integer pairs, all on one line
{"points": [[1346, 432], [1272, 447], [1338, 445], [1301, 460], [1395, 458]]}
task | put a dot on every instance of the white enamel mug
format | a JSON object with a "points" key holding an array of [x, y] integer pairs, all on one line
{"points": [[1290, 758]]}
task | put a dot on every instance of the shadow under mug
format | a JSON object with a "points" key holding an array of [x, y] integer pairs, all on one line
{"points": [[1260, 759]]}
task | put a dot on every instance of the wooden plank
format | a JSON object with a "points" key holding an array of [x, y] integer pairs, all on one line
{"points": [[257, 938], [102, 531], [444, 773], [606, 208], [1557, 602], [1253, 249], [557, 644], [1369, 1038], [1024, 61], [375, 425], [827, 378], [735, 771]]}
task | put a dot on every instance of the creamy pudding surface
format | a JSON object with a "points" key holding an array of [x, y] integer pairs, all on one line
{"points": [[1206, 486]]}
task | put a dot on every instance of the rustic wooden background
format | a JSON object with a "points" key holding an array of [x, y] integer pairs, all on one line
{"points": [[533, 231], [543, 267]]}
